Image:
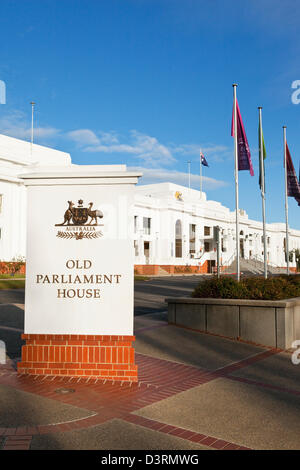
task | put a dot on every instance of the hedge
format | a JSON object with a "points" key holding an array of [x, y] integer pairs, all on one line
{"points": [[254, 288]]}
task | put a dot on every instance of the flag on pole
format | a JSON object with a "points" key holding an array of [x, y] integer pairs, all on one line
{"points": [[262, 156], [261, 170], [293, 188], [244, 156], [203, 160]]}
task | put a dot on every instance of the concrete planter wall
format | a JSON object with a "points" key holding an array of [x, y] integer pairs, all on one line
{"points": [[271, 323]]}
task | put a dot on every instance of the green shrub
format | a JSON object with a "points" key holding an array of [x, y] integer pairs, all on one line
{"points": [[178, 269], [188, 269], [224, 288], [254, 288]]}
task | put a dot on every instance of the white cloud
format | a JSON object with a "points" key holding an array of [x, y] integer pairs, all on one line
{"points": [[140, 146], [194, 149], [16, 124], [215, 152], [159, 175], [83, 137], [90, 141], [108, 137], [143, 147]]}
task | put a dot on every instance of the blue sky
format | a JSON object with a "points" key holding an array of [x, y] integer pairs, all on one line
{"points": [[149, 82]]}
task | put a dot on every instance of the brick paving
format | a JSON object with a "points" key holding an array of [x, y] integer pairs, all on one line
{"points": [[158, 379], [203, 439]]}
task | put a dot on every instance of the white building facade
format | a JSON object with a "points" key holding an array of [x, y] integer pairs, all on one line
{"points": [[18, 157], [178, 226], [175, 227]]}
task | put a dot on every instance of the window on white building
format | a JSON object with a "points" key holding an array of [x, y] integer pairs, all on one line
{"points": [[136, 248], [178, 239], [192, 238], [207, 231], [135, 223], [146, 225], [206, 246], [147, 251], [223, 246]]}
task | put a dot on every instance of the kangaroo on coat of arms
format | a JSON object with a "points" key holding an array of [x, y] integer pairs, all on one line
{"points": [[68, 213]]}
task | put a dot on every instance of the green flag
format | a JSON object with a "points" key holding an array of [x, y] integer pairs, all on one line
{"points": [[261, 170]]}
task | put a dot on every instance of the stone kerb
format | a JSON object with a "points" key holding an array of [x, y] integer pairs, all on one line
{"points": [[265, 322]]}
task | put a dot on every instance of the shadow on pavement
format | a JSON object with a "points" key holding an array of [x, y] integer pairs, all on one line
{"points": [[11, 327], [12, 296], [193, 348]]}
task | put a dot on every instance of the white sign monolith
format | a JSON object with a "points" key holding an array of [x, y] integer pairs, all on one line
{"points": [[79, 273]]}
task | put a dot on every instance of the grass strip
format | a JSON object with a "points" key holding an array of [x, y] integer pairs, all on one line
{"points": [[12, 284]]}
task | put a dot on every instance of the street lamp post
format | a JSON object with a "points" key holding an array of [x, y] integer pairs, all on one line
{"points": [[218, 251]]}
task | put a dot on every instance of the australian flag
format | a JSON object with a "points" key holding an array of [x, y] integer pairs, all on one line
{"points": [[203, 159]]}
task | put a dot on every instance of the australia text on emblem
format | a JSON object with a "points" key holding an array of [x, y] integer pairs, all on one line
{"points": [[80, 222]]}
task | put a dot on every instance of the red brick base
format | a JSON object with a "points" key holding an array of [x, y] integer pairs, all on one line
{"points": [[105, 357]]}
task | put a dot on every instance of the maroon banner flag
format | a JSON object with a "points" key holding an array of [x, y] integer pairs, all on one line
{"points": [[244, 156], [293, 188]]}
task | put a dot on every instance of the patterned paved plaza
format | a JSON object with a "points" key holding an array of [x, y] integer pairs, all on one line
{"points": [[195, 391]]}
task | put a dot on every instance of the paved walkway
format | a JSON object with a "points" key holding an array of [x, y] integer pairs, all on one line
{"points": [[195, 391]]}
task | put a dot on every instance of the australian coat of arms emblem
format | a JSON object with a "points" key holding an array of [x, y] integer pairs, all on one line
{"points": [[80, 222]]}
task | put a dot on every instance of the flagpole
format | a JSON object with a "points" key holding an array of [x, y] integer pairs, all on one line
{"points": [[286, 206], [262, 167], [237, 231], [200, 174], [32, 112], [189, 173]]}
